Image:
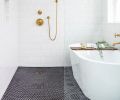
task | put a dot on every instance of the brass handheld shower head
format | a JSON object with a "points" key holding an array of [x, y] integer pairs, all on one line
{"points": [[48, 17]]}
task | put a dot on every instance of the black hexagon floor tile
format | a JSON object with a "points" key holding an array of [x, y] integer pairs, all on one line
{"points": [[43, 83]]}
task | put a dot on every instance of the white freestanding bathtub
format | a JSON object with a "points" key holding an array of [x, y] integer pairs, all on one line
{"points": [[99, 78]]}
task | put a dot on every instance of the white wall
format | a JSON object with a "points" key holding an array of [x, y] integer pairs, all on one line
{"points": [[109, 29], [8, 43], [35, 48], [83, 22], [8, 34]]}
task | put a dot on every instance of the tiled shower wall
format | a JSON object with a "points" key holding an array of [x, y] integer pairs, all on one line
{"points": [[8, 33], [35, 47], [78, 21], [8, 42]]}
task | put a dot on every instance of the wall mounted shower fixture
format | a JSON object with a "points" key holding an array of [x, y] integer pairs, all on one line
{"points": [[48, 17]]}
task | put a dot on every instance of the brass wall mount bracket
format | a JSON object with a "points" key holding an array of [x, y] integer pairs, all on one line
{"points": [[39, 22]]}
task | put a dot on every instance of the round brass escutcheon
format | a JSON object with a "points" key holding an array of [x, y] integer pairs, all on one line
{"points": [[40, 22]]}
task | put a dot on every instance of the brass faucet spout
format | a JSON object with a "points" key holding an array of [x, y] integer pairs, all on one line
{"points": [[116, 35], [115, 43]]}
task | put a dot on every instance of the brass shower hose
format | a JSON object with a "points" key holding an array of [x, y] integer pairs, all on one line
{"points": [[48, 17]]}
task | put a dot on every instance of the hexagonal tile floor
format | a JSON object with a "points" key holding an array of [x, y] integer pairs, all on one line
{"points": [[43, 83]]}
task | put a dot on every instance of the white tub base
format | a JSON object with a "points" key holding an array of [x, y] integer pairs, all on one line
{"points": [[98, 78]]}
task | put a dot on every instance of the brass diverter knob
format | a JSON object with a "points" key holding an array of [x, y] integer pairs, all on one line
{"points": [[39, 22], [116, 35], [39, 12]]}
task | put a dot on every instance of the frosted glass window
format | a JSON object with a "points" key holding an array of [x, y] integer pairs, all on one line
{"points": [[113, 11]]}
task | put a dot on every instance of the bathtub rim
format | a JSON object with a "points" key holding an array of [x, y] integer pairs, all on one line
{"points": [[92, 60]]}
